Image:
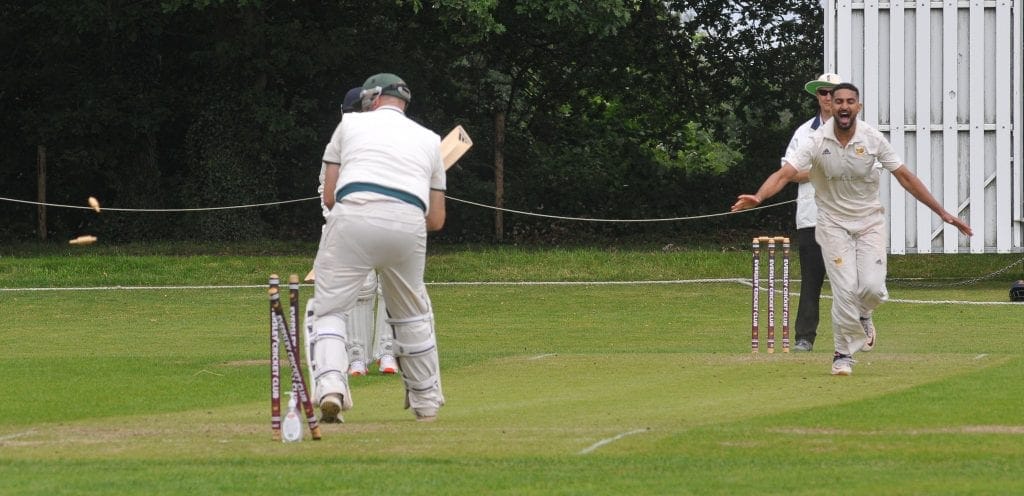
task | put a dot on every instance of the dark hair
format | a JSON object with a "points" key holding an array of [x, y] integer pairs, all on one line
{"points": [[846, 86]]}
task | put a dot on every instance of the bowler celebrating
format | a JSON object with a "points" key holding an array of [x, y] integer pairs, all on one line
{"points": [[840, 157]]}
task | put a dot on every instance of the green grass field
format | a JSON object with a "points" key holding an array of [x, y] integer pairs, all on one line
{"points": [[586, 388]]}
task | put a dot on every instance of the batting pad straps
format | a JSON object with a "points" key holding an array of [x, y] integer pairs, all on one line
{"points": [[414, 336], [415, 347], [326, 334], [330, 352], [331, 362], [359, 327]]}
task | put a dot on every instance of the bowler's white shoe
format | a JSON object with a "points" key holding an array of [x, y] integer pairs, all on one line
{"points": [[869, 330], [387, 364], [842, 364]]}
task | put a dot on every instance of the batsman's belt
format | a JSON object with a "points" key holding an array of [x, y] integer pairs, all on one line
{"points": [[383, 190]]}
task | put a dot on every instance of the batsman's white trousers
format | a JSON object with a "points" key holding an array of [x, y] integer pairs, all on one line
{"points": [[855, 260], [361, 235]]}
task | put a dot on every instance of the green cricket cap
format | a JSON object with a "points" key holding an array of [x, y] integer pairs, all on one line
{"points": [[389, 84]]}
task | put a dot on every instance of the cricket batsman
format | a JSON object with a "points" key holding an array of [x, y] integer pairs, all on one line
{"points": [[384, 183], [369, 315]]}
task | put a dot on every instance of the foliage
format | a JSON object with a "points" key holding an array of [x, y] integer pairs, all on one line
{"points": [[615, 108]]}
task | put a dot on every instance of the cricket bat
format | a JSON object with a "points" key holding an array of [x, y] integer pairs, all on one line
{"points": [[454, 146]]}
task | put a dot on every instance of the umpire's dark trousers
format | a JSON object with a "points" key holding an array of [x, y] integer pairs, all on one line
{"points": [[812, 276]]}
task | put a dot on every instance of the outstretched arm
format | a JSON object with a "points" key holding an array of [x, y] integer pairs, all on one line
{"points": [[912, 184], [771, 186]]}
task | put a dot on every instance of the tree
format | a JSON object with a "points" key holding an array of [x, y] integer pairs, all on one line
{"points": [[612, 108]]}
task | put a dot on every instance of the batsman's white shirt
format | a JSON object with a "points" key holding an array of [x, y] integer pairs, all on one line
{"points": [[851, 225], [386, 148], [392, 162]]}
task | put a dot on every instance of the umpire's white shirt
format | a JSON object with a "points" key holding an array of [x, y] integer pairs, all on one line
{"points": [[806, 210], [385, 148]]}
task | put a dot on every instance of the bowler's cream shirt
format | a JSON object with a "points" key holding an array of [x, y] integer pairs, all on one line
{"points": [[846, 179]]}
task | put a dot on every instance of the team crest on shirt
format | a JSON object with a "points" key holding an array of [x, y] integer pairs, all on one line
{"points": [[859, 151]]}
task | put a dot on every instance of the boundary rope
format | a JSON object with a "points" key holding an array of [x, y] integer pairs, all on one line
{"points": [[481, 205], [585, 219], [201, 209], [519, 212]]}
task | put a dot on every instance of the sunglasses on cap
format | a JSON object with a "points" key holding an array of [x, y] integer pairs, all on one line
{"points": [[371, 93], [824, 91]]}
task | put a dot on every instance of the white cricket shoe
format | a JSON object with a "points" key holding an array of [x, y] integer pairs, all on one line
{"points": [[842, 364], [330, 409], [357, 368], [869, 330], [387, 364], [425, 414]]}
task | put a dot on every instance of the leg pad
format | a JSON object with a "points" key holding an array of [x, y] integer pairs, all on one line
{"points": [[415, 347]]}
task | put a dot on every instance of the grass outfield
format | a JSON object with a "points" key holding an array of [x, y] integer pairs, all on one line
{"points": [[552, 389]]}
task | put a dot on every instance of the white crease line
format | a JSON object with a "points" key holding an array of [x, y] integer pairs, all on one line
{"points": [[953, 302], [467, 283], [744, 282], [538, 357], [130, 288], [583, 283], [16, 435], [610, 440], [979, 357]]}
